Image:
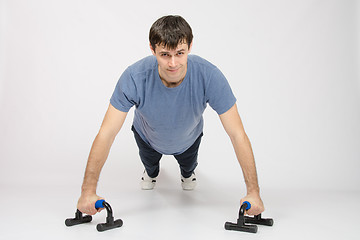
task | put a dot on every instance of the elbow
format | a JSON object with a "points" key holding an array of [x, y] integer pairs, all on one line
{"points": [[239, 137], [105, 135]]}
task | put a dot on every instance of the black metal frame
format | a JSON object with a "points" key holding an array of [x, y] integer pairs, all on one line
{"points": [[109, 224], [242, 220]]}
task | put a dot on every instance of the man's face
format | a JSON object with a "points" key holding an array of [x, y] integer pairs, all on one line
{"points": [[172, 63]]}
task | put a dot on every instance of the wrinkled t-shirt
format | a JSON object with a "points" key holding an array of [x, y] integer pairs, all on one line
{"points": [[171, 119]]}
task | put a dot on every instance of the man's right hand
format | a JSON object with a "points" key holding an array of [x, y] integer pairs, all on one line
{"points": [[86, 204]]}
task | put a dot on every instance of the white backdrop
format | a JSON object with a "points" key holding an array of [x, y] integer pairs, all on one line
{"points": [[293, 65]]}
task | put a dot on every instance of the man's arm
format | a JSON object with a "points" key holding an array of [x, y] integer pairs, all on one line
{"points": [[234, 128], [99, 152]]}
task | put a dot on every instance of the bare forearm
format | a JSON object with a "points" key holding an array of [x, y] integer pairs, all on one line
{"points": [[244, 154], [241, 143], [97, 157]]}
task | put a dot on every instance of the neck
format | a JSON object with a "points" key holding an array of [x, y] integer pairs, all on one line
{"points": [[171, 84]]}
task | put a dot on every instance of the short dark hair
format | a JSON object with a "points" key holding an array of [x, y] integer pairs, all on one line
{"points": [[170, 31]]}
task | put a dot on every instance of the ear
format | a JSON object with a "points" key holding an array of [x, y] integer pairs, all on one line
{"points": [[190, 46], [152, 50]]}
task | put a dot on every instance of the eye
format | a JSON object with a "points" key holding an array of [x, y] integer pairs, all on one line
{"points": [[164, 54]]}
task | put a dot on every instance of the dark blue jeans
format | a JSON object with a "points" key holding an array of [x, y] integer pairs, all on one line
{"points": [[151, 158]]}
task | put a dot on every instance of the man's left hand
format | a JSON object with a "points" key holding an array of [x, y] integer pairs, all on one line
{"points": [[257, 206]]}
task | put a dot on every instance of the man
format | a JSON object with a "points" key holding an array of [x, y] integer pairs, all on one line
{"points": [[170, 91]]}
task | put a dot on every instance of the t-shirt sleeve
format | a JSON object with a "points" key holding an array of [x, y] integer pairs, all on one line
{"points": [[218, 92], [124, 95]]}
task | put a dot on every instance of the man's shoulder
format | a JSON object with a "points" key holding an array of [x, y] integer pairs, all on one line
{"points": [[199, 62], [143, 65]]}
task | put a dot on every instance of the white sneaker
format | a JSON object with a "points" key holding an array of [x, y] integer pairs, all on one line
{"points": [[147, 183], [188, 183]]}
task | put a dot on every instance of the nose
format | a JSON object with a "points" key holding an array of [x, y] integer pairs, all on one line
{"points": [[172, 62]]}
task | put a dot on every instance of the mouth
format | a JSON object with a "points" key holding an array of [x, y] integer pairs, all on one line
{"points": [[173, 70]]}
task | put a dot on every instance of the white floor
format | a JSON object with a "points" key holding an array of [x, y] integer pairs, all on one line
{"points": [[168, 212]]}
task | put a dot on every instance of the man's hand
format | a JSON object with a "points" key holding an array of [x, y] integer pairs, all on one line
{"points": [[86, 204], [257, 205]]}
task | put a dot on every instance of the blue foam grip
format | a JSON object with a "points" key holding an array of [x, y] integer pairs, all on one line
{"points": [[248, 205], [99, 204]]}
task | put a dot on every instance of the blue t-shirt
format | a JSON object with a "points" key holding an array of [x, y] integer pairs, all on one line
{"points": [[170, 119]]}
